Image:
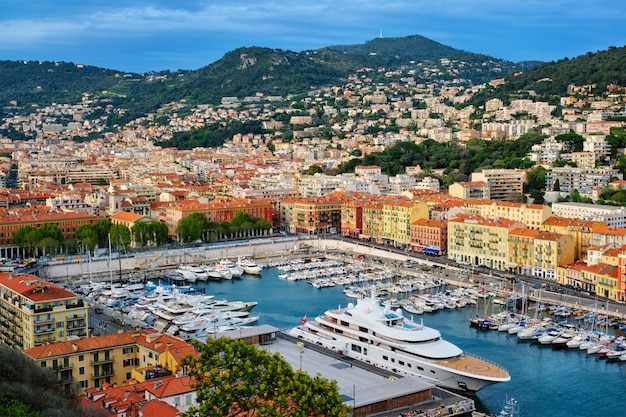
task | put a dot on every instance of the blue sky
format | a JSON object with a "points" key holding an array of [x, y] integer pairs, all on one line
{"points": [[154, 35]]}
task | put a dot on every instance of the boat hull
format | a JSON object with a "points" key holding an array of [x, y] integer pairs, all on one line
{"points": [[431, 371]]}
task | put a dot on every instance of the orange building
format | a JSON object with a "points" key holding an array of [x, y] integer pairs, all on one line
{"points": [[11, 220], [312, 215], [219, 210]]}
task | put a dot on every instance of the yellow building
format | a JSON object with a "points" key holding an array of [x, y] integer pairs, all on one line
{"points": [[581, 230], [477, 240], [532, 215], [470, 189], [550, 251], [116, 359], [601, 279], [372, 221], [521, 249], [34, 312], [397, 214]]}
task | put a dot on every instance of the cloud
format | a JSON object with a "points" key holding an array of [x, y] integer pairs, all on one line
{"points": [[191, 28]]}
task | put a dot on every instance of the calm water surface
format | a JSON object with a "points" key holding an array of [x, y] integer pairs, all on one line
{"points": [[544, 382]]}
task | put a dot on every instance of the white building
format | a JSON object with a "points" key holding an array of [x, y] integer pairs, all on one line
{"points": [[612, 216]]}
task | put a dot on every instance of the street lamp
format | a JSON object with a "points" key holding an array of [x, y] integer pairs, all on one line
{"points": [[301, 346]]}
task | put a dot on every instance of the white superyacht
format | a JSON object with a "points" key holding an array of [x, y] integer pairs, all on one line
{"points": [[383, 337]]}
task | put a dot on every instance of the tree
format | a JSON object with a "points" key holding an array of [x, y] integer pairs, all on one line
{"points": [[120, 236], [314, 169], [88, 236], [28, 390], [234, 378], [192, 228]]}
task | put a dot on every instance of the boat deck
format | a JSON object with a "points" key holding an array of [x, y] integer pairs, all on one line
{"points": [[475, 366]]}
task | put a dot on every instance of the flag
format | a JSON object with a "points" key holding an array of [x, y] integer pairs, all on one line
{"points": [[304, 320]]}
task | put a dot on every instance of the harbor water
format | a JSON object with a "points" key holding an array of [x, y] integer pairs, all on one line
{"points": [[545, 382]]}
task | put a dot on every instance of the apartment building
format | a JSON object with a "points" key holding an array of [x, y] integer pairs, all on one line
{"points": [[34, 312], [550, 251], [11, 220], [429, 236], [583, 180], [532, 215], [602, 279], [117, 359], [469, 189], [219, 210], [503, 183], [581, 230], [398, 214], [479, 240], [613, 216], [311, 216]]}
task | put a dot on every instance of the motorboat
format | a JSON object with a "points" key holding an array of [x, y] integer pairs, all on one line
{"points": [[235, 270], [249, 266], [383, 337]]}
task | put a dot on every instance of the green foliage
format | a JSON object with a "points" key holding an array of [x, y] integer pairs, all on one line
{"points": [[450, 156], [120, 236], [45, 240], [553, 78], [314, 169], [192, 228], [241, 73], [27, 390], [573, 140], [233, 378], [152, 233], [213, 135], [535, 179]]}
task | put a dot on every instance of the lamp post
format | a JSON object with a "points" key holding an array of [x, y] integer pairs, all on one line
{"points": [[301, 346]]}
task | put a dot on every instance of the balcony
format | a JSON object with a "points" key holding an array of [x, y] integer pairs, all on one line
{"points": [[103, 374], [45, 330], [62, 366], [79, 304], [102, 360]]}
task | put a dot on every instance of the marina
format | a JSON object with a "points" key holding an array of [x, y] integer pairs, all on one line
{"points": [[537, 373]]}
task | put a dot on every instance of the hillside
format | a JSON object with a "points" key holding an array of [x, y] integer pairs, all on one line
{"points": [[552, 78], [243, 72]]}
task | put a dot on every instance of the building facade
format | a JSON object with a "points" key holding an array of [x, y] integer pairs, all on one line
{"points": [[34, 312]]}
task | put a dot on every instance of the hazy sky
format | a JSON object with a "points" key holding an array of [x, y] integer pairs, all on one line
{"points": [[154, 35]]}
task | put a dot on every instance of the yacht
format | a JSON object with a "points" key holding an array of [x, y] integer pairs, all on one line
{"points": [[383, 337], [235, 270], [249, 266]]}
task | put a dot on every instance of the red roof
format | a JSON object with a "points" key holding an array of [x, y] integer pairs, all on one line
{"points": [[34, 288]]}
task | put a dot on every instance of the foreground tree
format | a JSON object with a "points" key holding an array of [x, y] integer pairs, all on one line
{"points": [[234, 378]]}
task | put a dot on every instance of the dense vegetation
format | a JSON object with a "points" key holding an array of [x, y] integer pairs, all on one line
{"points": [[241, 73], [27, 390], [458, 162], [197, 228], [553, 78], [235, 379], [212, 136]]}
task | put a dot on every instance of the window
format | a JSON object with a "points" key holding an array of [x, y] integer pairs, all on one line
{"points": [[81, 370], [81, 358]]}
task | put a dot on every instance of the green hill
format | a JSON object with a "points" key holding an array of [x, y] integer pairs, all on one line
{"points": [[245, 72], [553, 78]]}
